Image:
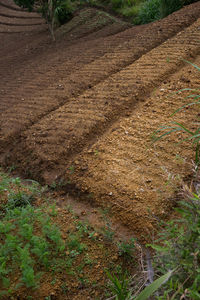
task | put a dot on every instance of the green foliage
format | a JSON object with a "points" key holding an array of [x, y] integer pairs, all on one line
{"points": [[25, 4], [24, 250], [120, 287], [18, 194], [154, 286], [62, 11], [126, 248], [178, 249], [169, 6], [148, 12]]}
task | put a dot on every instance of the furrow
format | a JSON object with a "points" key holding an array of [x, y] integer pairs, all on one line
{"points": [[114, 97], [124, 171], [79, 80]]}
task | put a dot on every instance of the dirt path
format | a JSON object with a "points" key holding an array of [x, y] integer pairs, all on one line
{"points": [[83, 108]]}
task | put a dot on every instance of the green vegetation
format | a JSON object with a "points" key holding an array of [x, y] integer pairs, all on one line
{"points": [[121, 287], [178, 248], [58, 12], [142, 11], [41, 243], [55, 12], [30, 242], [127, 248]]}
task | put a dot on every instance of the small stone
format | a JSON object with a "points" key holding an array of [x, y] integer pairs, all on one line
{"points": [[110, 194]]}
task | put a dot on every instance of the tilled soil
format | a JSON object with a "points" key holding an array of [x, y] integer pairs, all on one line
{"points": [[84, 107]]}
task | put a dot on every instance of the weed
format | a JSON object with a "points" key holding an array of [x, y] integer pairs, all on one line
{"points": [[96, 152], [12, 168], [64, 288], [178, 248], [83, 228], [75, 246], [55, 185], [71, 169], [21, 248], [126, 248], [88, 260], [108, 233], [120, 286]]}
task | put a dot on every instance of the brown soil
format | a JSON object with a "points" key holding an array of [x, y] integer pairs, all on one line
{"points": [[83, 107]]}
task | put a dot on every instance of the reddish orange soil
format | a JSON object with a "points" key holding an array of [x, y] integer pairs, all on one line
{"points": [[83, 108]]}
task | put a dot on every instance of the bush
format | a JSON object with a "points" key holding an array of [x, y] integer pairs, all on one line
{"points": [[149, 12], [169, 6], [25, 4], [63, 11]]}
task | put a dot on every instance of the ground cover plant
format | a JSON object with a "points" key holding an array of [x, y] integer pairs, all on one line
{"points": [[47, 251]]}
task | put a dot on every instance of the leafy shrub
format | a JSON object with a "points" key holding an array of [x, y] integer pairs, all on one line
{"points": [[63, 11], [25, 4], [169, 6], [148, 12]]}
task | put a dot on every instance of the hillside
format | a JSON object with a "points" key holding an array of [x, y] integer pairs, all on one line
{"points": [[101, 87]]}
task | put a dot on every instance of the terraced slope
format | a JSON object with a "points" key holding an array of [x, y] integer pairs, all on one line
{"points": [[122, 170], [78, 105], [43, 87]]}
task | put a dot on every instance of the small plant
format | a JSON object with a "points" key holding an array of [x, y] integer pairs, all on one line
{"points": [[108, 233], [120, 287], [126, 248], [21, 248], [71, 169]]}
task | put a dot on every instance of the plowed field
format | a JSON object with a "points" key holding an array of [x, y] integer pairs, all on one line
{"points": [[83, 108]]}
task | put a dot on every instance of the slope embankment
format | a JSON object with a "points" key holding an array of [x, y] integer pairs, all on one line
{"points": [[84, 107]]}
